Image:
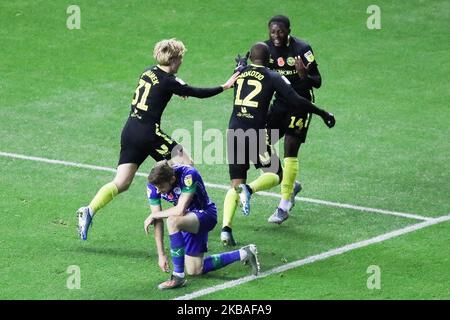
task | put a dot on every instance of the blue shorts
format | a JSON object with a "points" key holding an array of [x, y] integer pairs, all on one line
{"points": [[197, 243]]}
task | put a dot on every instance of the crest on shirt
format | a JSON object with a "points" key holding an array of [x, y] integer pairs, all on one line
{"points": [[280, 61], [188, 180], [309, 56], [177, 190], [290, 61]]}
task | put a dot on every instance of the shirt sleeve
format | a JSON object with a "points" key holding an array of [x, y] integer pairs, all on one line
{"points": [[154, 198], [284, 89], [313, 77], [189, 181], [179, 87], [308, 55]]}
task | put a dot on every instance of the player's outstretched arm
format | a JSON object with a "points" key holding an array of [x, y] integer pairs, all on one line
{"points": [[327, 117], [294, 99], [230, 82], [189, 91]]}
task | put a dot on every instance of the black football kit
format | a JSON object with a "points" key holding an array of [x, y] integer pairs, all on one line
{"points": [[142, 135], [253, 92], [283, 116]]}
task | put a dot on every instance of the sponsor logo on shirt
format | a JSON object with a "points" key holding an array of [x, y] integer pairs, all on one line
{"points": [[290, 61]]}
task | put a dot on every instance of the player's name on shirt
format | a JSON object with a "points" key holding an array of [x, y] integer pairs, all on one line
{"points": [[251, 73], [153, 77], [286, 72]]}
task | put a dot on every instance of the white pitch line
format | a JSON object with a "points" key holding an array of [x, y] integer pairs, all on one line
{"points": [[224, 187], [334, 204], [318, 257], [51, 161]]}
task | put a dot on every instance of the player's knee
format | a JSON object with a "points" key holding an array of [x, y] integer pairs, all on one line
{"points": [[194, 270], [185, 158], [187, 161], [123, 185], [236, 182], [179, 156], [173, 223]]}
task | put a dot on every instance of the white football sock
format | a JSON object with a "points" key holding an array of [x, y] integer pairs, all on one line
{"points": [[178, 274], [284, 204]]}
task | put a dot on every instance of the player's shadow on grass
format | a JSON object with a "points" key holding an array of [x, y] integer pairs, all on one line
{"points": [[216, 276], [114, 252]]}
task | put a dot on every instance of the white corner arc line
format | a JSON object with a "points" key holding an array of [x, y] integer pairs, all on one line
{"points": [[223, 187], [314, 258]]}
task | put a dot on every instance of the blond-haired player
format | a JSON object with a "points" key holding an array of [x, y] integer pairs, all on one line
{"points": [[142, 135]]}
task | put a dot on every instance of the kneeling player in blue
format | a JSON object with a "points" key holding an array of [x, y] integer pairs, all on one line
{"points": [[189, 221]]}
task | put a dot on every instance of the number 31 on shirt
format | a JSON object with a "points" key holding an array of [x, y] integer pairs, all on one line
{"points": [[140, 100]]}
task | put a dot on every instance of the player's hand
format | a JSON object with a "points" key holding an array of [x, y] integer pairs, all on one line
{"points": [[163, 263], [301, 68], [183, 97], [230, 82], [149, 221], [241, 62], [329, 119]]}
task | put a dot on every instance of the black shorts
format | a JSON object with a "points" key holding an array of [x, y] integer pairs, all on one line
{"points": [[288, 120], [140, 140], [250, 145]]}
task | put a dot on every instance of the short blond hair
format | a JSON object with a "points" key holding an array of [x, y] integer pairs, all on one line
{"points": [[168, 49]]}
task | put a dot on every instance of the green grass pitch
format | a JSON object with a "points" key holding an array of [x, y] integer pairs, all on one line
{"points": [[65, 95]]}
